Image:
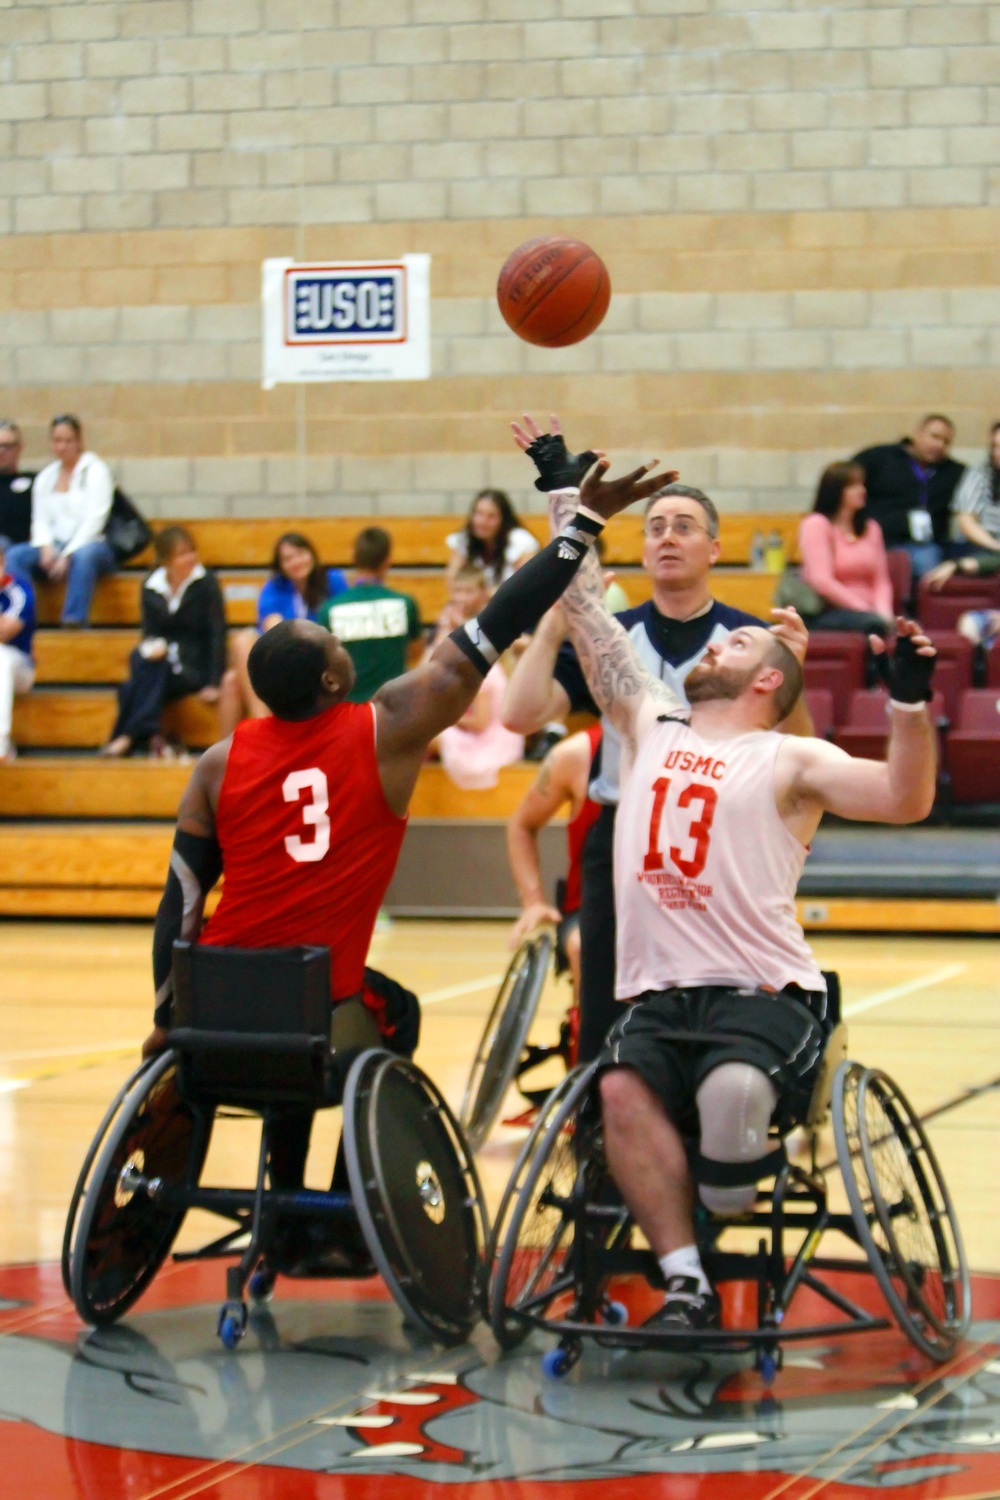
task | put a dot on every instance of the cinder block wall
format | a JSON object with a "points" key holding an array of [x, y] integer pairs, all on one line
{"points": [[799, 203]]}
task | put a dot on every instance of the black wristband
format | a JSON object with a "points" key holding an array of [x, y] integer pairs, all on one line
{"points": [[906, 673], [558, 469]]}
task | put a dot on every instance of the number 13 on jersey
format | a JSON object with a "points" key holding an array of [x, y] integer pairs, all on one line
{"points": [[699, 828]]}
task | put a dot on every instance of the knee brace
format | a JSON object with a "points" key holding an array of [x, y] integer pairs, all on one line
{"points": [[735, 1104]]}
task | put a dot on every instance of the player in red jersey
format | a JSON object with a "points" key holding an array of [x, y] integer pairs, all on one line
{"points": [[305, 812]]}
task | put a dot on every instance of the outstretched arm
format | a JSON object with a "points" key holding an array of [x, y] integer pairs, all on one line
{"points": [[413, 709], [813, 777], [619, 683]]}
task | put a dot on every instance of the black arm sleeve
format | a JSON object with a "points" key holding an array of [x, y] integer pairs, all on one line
{"points": [[521, 601], [195, 866]]}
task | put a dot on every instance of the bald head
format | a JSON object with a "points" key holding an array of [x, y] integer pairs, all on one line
{"points": [[299, 669]]}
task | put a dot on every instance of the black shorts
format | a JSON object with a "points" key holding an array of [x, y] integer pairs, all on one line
{"points": [[777, 1033]]}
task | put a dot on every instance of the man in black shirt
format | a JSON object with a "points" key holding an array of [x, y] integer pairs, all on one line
{"points": [[15, 486], [910, 487], [670, 633]]}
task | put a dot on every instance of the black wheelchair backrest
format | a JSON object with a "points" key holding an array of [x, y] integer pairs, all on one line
{"points": [[252, 1025], [252, 989]]}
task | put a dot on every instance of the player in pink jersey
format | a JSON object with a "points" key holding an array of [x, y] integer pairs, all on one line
{"points": [[713, 828]]}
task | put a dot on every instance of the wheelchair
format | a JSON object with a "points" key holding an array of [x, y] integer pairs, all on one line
{"points": [[252, 1038], [563, 1238], [504, 1054]]}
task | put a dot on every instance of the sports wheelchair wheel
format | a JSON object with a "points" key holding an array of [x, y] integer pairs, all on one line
{"points": [[83, 1180], [902, 1209], [122, 1235], [417, 1194], [535, 1222], [504, 1037]]}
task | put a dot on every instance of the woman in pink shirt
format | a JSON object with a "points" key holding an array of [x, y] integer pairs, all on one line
{"points": [[843, 556]]}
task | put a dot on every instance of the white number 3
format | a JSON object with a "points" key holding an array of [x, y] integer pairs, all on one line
{"points": [[315, 812]]}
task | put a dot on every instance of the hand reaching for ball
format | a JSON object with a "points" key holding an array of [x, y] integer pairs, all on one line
{"points": [[560, 469]]}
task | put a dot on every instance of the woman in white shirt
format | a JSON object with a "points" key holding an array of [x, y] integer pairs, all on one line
{"points": [[492, 539], [70, 504]]}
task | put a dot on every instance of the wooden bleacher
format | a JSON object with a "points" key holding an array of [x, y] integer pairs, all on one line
{"points": [[113, 863]]}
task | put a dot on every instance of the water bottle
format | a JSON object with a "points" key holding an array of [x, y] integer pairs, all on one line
{"points": [[757, 552], [774, 553]]}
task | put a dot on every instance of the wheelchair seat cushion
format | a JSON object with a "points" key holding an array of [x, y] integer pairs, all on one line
{"points": [[675, 1038]]}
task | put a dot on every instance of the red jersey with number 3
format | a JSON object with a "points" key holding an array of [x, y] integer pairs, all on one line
{"points": [[705, 869], [309, 843]]}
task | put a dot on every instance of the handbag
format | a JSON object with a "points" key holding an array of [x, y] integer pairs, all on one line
{"points": [[794, 592], [126, 532]]}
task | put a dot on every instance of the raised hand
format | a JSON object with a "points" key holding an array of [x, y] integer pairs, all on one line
{"points": [[609, 496], [907, 672], [790, 629], [558, 469]]}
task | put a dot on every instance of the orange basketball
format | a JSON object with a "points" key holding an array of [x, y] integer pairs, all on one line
{"points": [[553, 291]]}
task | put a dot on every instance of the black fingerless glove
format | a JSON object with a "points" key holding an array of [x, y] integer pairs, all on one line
{"points": [[557, 468], [906, 673]]}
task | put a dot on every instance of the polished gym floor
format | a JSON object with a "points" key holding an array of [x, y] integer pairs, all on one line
{"points": [[330, 1396]]}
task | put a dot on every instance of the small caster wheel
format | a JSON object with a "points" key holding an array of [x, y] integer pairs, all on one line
{"points": [[768, 1367], [615, 1314], [261, 1287], [232, 1323], [556, 1364]]}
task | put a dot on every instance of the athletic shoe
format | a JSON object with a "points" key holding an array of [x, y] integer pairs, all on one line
{"points": [[685, 1307]]}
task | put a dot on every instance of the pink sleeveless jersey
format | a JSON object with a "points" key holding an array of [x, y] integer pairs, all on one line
{"points": [[705, 870]]}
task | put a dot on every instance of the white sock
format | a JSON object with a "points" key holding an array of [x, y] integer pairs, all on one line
{"points": [[685, 1262]]}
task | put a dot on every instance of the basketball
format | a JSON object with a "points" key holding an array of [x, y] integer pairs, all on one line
{"points": [[553, 291]]}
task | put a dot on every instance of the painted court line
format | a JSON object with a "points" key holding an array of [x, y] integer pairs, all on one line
{"points": [[454, 991], [898, 991]]}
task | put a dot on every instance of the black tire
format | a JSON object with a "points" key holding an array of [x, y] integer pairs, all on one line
{"points": [[121, 1239], [533, 1228], [504, 1037], [902, 1209], [417, 1195], [83, 1180]]}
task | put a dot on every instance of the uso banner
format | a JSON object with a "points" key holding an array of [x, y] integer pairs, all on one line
{"points": [[346, 320]]}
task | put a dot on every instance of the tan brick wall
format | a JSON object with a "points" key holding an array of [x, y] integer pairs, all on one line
{"points": [[799, 205]]}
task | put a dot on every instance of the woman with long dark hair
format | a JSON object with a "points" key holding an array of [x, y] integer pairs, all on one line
{"points": [[492, 539], [843, 556], [298, 587]]}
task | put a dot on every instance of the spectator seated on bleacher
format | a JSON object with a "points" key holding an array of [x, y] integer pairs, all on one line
{"points": [[17, 667], [183, 645], [474, 750], [492, 538], [977, 517], [15, 486], [910, 488], [375, 623], [70, 505], [843, 557], [298, 588]]}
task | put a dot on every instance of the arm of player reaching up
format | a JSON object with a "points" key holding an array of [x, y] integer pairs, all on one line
{"points": [[195, 866], [619, 683], [813, 777], [413, 709]]}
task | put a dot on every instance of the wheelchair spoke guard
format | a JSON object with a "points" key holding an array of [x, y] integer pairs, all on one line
{"points": [[123, 1233], [901, 1209], [504, 1037], [417, 1194], [536, 1218], [83, 1181]]}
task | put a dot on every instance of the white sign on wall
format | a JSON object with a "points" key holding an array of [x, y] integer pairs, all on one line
{"points": [[346, 320]]}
